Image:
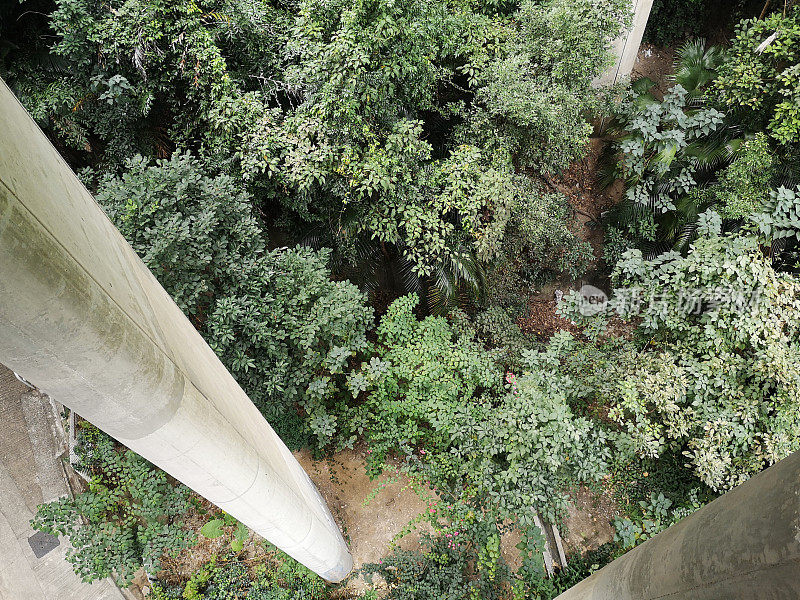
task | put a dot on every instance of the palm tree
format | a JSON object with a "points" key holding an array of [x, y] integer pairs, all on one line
{"points": [[384, 271]]}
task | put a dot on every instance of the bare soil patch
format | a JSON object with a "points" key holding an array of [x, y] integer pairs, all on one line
{"points": [[371, 522], [589, 522], [656, 63]]}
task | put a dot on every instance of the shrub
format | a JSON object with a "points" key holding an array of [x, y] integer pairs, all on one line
{"points": [[535, 92], [419, 382], [441, 570], [276, 577], [194, 231], [438, 401], [288, 334], [759, 82], [129, 517], [722, 383], [275, 319], [672, 20]]}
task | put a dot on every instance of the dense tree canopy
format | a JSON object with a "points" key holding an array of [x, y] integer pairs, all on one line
{"points": [[366, 207]]}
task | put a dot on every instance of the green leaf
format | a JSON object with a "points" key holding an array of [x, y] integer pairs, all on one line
{"points": [[212, 529]]}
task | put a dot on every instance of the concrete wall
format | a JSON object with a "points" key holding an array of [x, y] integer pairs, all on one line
{"points": [[83, 319], [626, 47], [743, 546]]}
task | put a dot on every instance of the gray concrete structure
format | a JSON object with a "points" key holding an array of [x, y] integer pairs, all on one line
{"points": [[31, 473], [84, 320], [743, 546], [626, 47]]}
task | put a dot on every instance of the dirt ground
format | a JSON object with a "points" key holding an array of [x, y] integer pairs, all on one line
{"points": [[371, 527], [589, 524], [655, 63], [371, 513]]}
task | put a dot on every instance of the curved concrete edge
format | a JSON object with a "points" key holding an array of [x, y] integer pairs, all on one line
{"points": [[744, 545]]}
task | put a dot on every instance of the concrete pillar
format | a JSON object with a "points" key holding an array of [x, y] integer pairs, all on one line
{"points": [[626, 47], [745, 545], [83, 319]]}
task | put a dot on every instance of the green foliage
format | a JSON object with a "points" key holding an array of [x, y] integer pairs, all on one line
{"points": [[744, 187], [780, 215], [195, 232], [655, 155], [278, 577], [656, 515], [759, 82], [539, 243], [496, 329], [212, 529], [277, 321], [129, 517], [437, 399], [580, 567], [419, 382], [673, 156], [656, 518], [365, 77], [113, 78], [441, 570], [287, 334], [220, 526], [672, 20], [525, 448], [401, 122], [534, 92], [723, 385]]}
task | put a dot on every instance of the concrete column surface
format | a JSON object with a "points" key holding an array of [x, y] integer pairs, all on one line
{"points": [[626, 47], [745, 545], [83, 319]]}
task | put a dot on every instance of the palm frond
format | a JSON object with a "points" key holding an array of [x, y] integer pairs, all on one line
{"points": [[696, 65]]}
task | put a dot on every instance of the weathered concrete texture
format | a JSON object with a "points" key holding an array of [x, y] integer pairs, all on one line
{"points": [[30, 473], [84, 320], [626, 47], [743, 546]]}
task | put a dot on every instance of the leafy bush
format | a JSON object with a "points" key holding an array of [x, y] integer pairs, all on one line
{"points": [[353, 146], [533, 95], [194, 231], [437, 400], [723, 384], [539, 243], [400, 123], [129, 517], [744, 187], [656, 156], [441, 570], [287, 333], [277, 321], [669, 154], [759, 82], [110, 79], [226, 578], [672, 20], [419, 382], [525, 448], [496, 329], [779, 217], [656, 515]]}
